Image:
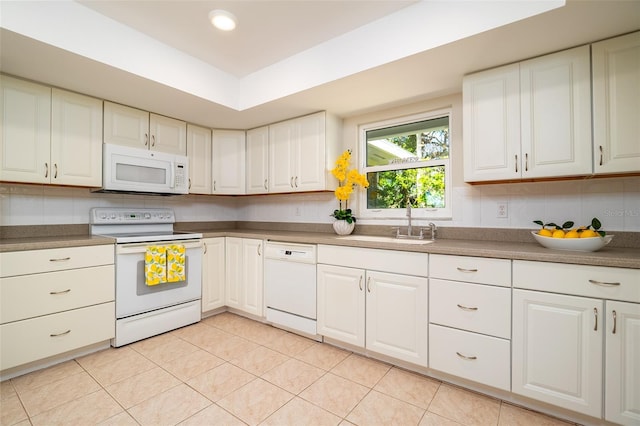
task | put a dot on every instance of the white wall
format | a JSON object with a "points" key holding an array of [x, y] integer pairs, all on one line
{"points": [[615, 201]]}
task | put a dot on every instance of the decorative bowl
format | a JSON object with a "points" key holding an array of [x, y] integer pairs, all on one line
{"points": [[575, 244]]}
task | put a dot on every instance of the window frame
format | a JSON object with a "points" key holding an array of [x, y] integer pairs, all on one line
{"points": [[401, 213]]}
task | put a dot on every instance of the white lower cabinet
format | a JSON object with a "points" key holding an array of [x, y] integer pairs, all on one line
{"points": [[622, 363], [244, 274], [557, 350], [384, 312], [55, 301], [578, 349], [213, 274]]}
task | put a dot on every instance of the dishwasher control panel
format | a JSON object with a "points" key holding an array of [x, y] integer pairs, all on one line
{"points": [[292, 252]]}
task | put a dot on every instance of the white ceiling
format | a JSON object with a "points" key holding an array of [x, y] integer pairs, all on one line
{"points": [[287, 58]]}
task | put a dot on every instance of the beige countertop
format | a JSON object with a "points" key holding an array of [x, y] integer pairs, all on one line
{"points": [[607, 256]]}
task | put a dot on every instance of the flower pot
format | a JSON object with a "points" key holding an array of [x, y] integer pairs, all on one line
{"points": [[342, 227]]}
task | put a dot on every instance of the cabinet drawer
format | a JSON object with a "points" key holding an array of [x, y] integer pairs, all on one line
{"points": [[475, 357], [400, 262], [38, 338], [479, 308], [35, 261], [471, 269], [27, 296], [580, 280]]}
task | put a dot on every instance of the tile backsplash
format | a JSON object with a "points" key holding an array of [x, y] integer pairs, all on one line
{"points": [[615, 201]]}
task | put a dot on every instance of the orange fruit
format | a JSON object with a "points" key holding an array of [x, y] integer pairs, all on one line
{"points": [[572, 234], [545, 232], [588, 233], [558, 233]]}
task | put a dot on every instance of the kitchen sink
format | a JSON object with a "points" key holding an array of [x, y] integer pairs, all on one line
{"points": [[380, 239]]}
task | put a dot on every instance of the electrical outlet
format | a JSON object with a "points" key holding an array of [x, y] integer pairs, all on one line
{"points": [[503, 210]]}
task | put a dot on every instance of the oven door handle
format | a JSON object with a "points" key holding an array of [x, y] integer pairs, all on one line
{"points": [[142, 247]]}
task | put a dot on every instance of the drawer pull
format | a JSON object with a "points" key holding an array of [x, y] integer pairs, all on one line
{"points": [[595, 315], [60, 259], [466, 270], [603, 283], [60, 292], [60, 334], [469, 358], [466, 308], [615, 322]]}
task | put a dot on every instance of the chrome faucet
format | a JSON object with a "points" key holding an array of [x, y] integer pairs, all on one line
{"points": [[409, 217]]}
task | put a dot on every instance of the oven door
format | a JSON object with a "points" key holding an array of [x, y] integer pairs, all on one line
{"points": [[133, 296]]}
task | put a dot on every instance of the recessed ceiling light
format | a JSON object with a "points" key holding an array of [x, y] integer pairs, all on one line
{"points": [[222, 20]]}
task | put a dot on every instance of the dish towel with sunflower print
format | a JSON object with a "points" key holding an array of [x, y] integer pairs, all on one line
{"points": [[164, 264]]}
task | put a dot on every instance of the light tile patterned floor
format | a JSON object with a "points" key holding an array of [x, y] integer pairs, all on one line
{"points": [[229, 370]]}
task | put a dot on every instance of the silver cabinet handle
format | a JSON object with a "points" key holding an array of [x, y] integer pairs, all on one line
{"points": [[46, 169], [204, 248], [60, 334], [214, 185], [146, 139], [601, 154], [615, 322], [189, 183], [265, 184], [604, 283], [369, 284], [466, 308], [595, 315], [259, 249], [60, 259], [291, 182], [526, 162], [360, 283], [466, 270], [55, 168], [469, 358], [516, 163], [60, 292], [296, 181], [153, 140]]}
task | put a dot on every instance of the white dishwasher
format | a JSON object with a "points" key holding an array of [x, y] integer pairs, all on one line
{"points": [[290, 285]]}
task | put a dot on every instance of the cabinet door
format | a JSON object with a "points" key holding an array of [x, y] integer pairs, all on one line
{"points": [[252, 276], [491, 124], [396, 310], [616, 104], [310, 164], [233, 270], [341, 304], [213, 274], [555, 94], [76, 139], [199, 153], [258, 161], [622, 363], [228, 162], [557, 350], [25, 129], [168, 135], [281, 156], [127, 126]]}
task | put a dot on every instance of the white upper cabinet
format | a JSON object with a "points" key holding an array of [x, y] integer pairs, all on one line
{"points": [[49, 135], [25, 113], [616, 104], [491, 124], [301, 153], [529, 120], [258, 161], [199, 153], [228, 162], [555, 107], [132, 127]]}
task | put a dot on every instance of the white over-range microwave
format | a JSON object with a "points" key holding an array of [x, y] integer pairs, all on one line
{"points": [[126, 169]]}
